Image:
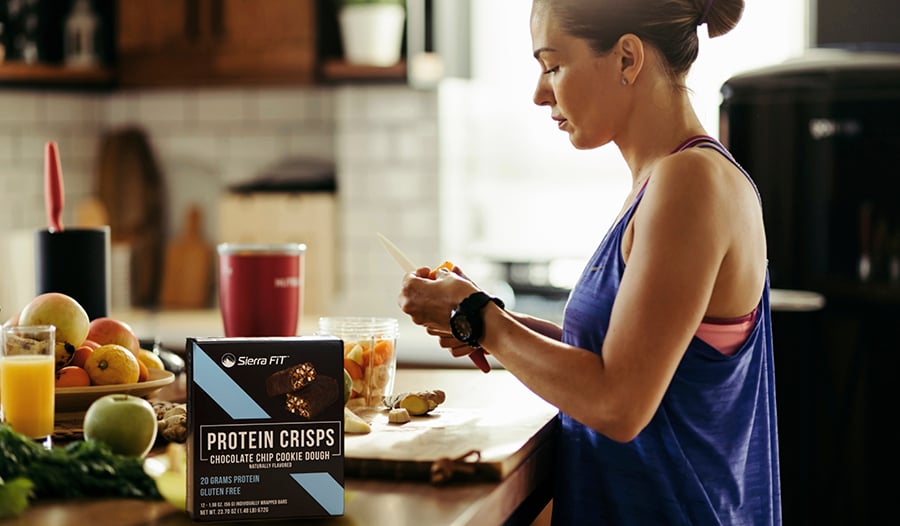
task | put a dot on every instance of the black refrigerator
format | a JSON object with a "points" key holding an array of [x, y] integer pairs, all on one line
{"points": [[820, 135]]}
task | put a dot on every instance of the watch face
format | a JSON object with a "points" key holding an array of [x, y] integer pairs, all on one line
{"points": [[461, 327]]}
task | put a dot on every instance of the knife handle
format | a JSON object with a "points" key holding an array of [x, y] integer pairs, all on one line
{"points": [[480, 360], [53, 187]]}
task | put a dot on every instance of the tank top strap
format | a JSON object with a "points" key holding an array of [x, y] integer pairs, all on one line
{"points": [[705, 141]]}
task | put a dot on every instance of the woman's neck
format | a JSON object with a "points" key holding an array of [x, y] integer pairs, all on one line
{"points": [[656, 128]]}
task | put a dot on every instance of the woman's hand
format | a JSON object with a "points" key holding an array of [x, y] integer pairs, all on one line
{"points": [[429, 300]]}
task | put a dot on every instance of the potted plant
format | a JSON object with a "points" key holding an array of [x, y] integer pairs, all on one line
{"points": [[372, 30]]}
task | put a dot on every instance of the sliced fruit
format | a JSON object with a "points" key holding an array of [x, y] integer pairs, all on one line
{"points": [[354, 423]]}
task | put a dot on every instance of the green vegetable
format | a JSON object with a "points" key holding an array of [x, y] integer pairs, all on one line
{"points": [[14, 496], [80, 469]]}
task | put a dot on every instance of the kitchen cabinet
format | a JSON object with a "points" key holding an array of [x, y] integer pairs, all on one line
{"points": [[183, 43]]}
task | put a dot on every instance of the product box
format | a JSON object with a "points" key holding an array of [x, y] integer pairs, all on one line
{"points": [[265, 420]]}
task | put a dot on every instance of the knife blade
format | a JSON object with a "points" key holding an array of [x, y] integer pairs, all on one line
{"points": [[477, 356], [402, 259]]}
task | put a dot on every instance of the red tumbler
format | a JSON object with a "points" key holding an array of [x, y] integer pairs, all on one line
{"points": [[261, 288]]}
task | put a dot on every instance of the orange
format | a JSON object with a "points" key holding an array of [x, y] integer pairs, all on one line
{"points": [[143, 372], [112, 364], [72, 376]]}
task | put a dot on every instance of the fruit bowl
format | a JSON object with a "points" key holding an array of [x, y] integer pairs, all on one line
{"points": [[71, 399]]}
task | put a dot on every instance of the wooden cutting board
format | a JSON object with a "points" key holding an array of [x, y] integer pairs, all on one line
{"points": [[188, 267], [492, 414]]}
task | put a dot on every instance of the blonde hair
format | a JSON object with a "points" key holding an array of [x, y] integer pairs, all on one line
{"points": [[670, 26]]}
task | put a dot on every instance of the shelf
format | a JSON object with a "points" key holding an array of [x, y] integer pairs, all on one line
{"points": [[335, 70], [21, 74]]}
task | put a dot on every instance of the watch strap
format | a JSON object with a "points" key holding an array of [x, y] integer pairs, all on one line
{"points": [[471, 308]]}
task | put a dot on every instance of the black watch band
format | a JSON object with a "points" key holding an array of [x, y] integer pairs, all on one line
{"points": [[467, 321]]}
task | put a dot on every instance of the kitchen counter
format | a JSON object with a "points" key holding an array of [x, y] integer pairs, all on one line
{"points": [[415, 348], [516, 499]]}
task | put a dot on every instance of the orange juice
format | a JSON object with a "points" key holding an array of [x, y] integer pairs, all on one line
{"points": [[26, 392]]}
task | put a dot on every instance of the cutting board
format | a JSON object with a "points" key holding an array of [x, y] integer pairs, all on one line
{"points": [[188, 266], [493, 415]]}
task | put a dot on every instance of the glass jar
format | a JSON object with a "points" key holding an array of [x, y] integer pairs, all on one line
{"points": [[370, 355]]}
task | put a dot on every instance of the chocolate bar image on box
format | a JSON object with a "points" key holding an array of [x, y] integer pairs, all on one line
{"points": [[312, 399], [291, 379]]}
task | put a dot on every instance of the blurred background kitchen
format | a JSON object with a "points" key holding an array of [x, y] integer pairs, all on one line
{"points": [[187, 123]]}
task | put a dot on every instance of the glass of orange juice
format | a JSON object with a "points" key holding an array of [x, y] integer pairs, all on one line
{"points": [[27, 379]]}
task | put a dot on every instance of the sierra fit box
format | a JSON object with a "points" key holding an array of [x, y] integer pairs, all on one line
{"points": [[265, 420]]}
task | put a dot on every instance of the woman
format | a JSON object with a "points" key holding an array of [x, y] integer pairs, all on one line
{"points": [[663, 368]]}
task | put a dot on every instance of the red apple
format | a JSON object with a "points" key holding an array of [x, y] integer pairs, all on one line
{"points": [[108, 330], [61, 311], [80, 356]]}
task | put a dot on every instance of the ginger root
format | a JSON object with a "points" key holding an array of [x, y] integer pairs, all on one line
{"points": [[416, 403], [171, 421]]}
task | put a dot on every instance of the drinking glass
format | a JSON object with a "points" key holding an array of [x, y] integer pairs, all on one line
{"points": [[27, 379]]}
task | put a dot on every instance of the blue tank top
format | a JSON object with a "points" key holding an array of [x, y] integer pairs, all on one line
{"points": [[710, 453]]}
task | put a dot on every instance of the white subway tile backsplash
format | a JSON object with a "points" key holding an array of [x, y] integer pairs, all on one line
{"points": [[256, 145], [383, 140], [231, 106], [295, 106], [71, 109], [20, 107], [8, 147], [161, 107], [315, 142], [183, 143]]}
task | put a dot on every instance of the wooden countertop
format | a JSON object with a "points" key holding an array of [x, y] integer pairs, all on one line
{"points": [[516, 499]]}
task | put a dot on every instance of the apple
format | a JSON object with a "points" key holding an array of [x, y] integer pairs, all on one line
{"points": [[126, 423], [81, 354], [61, 311], [108, 330]]}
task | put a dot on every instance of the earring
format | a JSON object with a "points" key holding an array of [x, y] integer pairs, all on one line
{"points": [[624, 81]]}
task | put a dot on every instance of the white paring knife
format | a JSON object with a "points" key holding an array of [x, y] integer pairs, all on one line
{"points": [[405, 263]]}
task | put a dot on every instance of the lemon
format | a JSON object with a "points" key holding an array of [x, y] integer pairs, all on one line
{"points": [[150, 359], [112, 364]]}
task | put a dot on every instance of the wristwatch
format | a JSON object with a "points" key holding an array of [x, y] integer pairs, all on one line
{"points": [[466, 321]]}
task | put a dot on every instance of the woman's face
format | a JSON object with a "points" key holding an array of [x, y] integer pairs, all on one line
{"points": [[582, 89]]}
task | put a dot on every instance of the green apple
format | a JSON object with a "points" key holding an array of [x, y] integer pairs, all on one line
{"points": [[348, 386], [61, 311], [126, 423]]}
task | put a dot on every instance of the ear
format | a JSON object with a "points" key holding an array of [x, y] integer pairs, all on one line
{"points": [[631, 56]]}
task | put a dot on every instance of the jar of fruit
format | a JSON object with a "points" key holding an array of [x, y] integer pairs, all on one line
{"points": [[370, 355]]}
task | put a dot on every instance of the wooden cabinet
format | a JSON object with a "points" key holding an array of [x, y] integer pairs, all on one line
{"points": [[215, 42]]}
